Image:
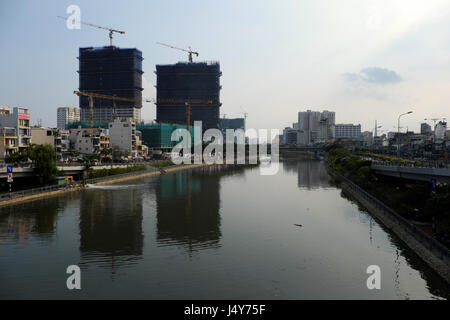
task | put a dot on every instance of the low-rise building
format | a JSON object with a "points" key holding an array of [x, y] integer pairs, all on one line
{"points": [[367, 138], [9, 143], [123, 135], [41, 136], [89, 140], [58, 139], [19, 119]]}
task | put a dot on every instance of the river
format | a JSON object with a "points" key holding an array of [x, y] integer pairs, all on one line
{"points": [[208, 233]]}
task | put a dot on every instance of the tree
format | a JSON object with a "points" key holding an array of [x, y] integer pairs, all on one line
{"points": [[43, 157], [17, 157], [117, 154]]}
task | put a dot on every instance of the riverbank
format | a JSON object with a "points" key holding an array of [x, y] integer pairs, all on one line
{"points": [[428, 249], [413, 200], [113, 179], [51, 192]]}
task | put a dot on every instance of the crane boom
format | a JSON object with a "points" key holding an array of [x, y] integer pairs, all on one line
{"points": [[111, 30], [92, 95], [185, 50], [187, 102]]}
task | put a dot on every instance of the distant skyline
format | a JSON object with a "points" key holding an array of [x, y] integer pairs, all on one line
{"points": [[366, 60]]}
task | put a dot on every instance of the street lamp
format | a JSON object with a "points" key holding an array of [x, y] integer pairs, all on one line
{"points": [[398, 134]]}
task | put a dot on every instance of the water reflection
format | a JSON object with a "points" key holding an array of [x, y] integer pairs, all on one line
{"points": [[244, 246], [20, 222], [311, 174], [111, 226], [188, 205]]}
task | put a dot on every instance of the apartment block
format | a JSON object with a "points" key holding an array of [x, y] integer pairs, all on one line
{"points": [[348, 131], [67, 115]]}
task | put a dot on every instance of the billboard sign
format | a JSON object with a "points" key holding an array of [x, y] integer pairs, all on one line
{"points": [[24, 116]]}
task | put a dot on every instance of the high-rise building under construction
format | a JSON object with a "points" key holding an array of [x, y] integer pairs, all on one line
{"points": [[111, 71], [181, 81]]}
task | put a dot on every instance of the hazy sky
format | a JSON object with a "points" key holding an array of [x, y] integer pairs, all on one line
{"points": [[364, 59]]}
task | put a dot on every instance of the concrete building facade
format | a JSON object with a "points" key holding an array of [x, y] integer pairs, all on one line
{"points": [[19, 119], [9, 142], [348, 131], [89, 141], [123, 135], [66, 115], [309, 122]]}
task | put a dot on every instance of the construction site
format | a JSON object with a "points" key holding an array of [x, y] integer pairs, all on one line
{"points": [[195, 80], [110, 87], [111, 71]]}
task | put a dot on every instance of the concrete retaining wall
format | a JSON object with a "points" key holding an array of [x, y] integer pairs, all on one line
{"points": [[428, 249]]}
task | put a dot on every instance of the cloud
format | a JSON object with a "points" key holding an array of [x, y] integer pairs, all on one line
{"points": [[374, 75]]}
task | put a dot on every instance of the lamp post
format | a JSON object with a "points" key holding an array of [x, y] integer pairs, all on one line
{"points": [[398, 135]]}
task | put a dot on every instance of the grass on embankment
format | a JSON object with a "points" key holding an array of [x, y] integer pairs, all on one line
{"points": [[93, 174], [412, 199], [162, 164]]}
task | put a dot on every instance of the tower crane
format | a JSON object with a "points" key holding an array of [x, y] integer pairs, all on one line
{"points": [[187, 102], [185, 50], [92, 95], [111, 31]]}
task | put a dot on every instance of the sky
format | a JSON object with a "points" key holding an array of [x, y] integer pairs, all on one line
{"points": [[366, 60]]}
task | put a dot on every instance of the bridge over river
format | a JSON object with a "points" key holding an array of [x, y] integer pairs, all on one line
{"points": [[440, 175]]}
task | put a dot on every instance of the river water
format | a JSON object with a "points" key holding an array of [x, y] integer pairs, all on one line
{"points": [[208, 233]]}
